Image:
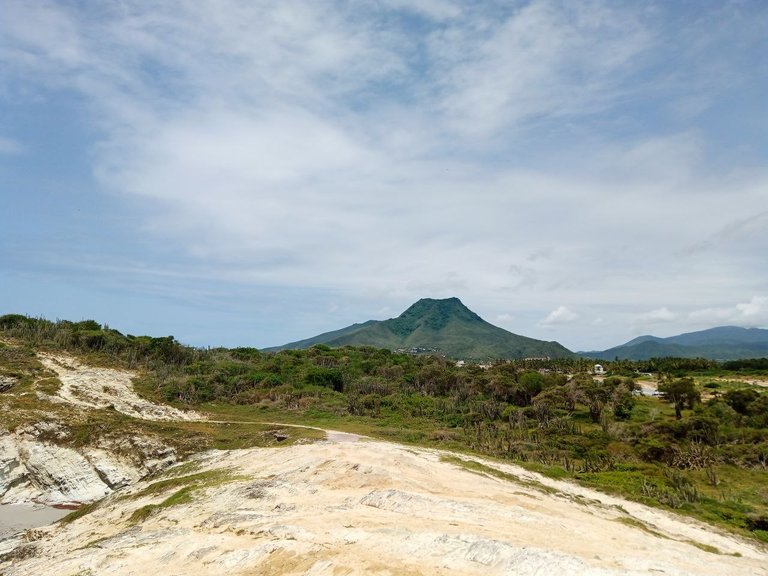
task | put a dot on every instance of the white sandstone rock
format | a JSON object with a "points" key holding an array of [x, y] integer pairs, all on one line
{"points": [[62, 474], [12, 471]]}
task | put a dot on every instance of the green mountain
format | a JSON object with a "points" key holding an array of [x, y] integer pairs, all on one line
{"points": [[444, 326], [721, 343]]}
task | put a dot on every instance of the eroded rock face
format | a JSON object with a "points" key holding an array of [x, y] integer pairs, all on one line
{"points": [[112, 470], [38, 470], [62, 475], [12, 471], [38, 463]]}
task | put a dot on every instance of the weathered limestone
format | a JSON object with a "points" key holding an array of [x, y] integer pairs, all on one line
{"points": [[40, 471]]}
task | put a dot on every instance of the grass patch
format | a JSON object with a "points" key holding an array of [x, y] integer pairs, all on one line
{"points": [[479, 468], [635, 523], [192, 437], [705, 547], [183, 496], [553, 472], [180, 469], [49, 386], [80, 512], [198, 480], [186, 487]]}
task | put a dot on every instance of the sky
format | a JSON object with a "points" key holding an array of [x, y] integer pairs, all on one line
{"points": [[249, 173]]}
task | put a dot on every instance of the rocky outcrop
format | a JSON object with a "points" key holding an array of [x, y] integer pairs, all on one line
{"points": [[61, 475], [39, 462], [7, 382], [12, 471], [374, 508], [94, 387], [39, 470]]}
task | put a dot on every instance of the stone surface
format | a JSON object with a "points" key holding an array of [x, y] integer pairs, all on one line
{"points": [[7, 382], [376, 508]]}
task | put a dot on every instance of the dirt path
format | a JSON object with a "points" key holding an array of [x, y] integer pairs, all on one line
{"points": [[745, 380], [648, 387]]}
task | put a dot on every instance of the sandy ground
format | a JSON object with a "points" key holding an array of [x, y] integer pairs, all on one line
{"points": [[648, 387]]}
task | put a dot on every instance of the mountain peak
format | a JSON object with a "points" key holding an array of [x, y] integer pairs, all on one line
{"points": [[443, 325], [451, 302], [432, 314]]}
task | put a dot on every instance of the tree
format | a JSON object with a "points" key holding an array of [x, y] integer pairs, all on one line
{"points": [[741, 399], [530, 384], [681, 392], [622, 398], [595, 395]]}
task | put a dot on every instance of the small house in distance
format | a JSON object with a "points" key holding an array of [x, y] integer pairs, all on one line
{"points": [[599, 369]]}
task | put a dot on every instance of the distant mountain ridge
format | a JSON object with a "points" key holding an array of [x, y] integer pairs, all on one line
{"points": [[446, 326], [720, 343]]}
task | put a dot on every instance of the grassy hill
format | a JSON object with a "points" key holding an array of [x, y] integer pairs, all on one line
{"points": [[445, 326]]}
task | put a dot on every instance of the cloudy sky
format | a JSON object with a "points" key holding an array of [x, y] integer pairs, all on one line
{"points": [[244, 172]]}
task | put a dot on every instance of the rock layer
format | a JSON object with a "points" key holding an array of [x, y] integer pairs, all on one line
{"points": [[38, 462], [32, 470], [377, 508]]}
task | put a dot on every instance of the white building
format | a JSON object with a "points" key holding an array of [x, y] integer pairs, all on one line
{"points": [[599, 369]]}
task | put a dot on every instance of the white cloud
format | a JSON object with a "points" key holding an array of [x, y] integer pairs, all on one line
{"points": [[40, 32], [543, 59], [384, 312], [435, 9], [663, 314], [747, 233], [560, 315], [653, 321], [747, 314]]}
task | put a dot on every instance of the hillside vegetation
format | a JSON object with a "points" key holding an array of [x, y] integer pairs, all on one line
{"points": [[701, 448], [443, 326]]}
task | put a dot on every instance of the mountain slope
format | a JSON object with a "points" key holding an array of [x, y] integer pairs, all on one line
{"points": [[325, 337], [722, 334], [720, 343], [446, 326]]}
